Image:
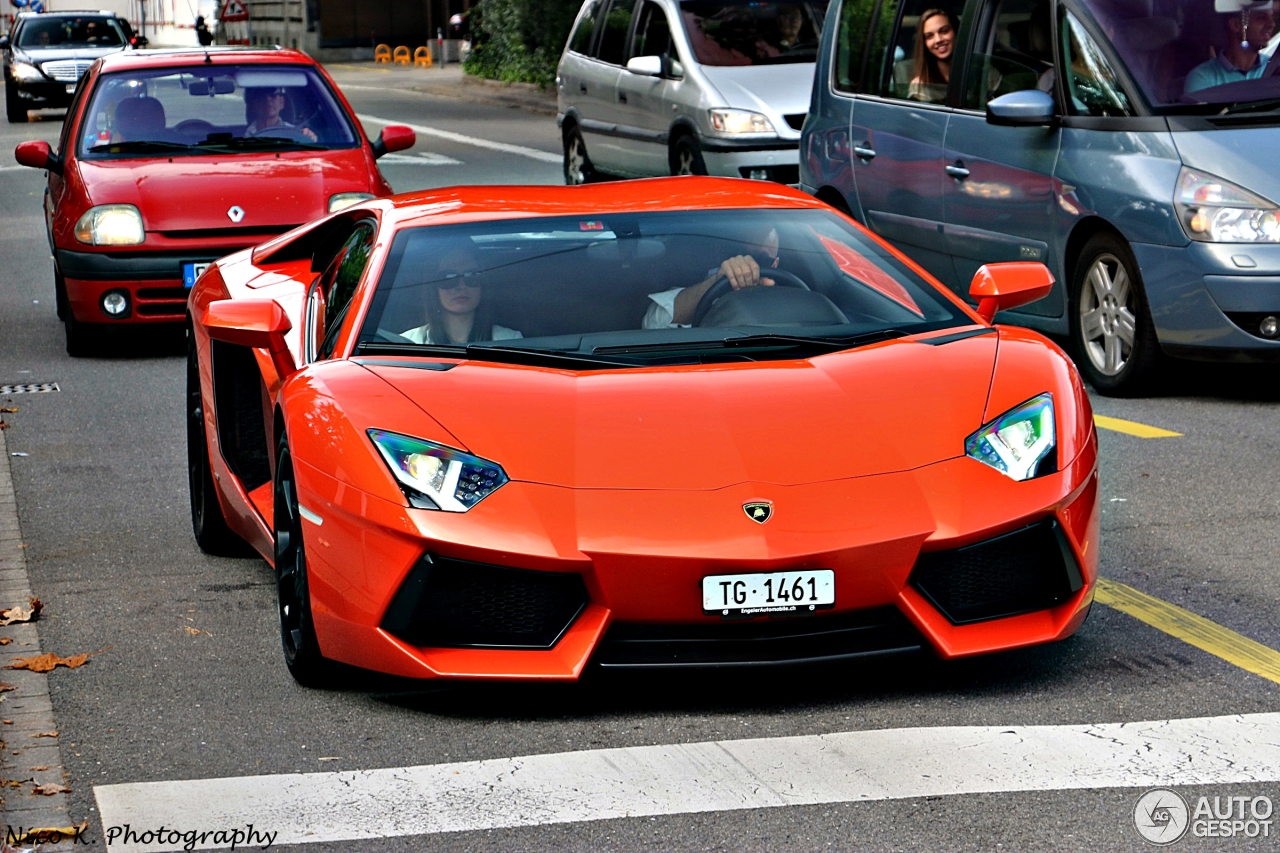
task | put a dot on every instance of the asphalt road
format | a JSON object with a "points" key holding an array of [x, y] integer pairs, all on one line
{"points": [[102, 502]]}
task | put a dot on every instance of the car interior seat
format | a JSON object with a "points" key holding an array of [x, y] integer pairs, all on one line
{"points": [[139, 119]]}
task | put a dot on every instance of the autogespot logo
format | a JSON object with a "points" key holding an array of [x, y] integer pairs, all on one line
{"points": [[1161, 816]]}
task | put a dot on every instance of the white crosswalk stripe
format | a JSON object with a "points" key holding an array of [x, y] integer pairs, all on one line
{"points": [[713, 776]]}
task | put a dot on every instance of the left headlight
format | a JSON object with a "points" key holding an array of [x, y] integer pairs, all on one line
{"points": [[437, 477], [340, 200], [26, 72], [1216, 211], [1020, 443], [740, 121], [111, 225]]}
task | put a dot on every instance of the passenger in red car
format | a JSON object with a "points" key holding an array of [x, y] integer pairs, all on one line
{"points": [[456, 311]]}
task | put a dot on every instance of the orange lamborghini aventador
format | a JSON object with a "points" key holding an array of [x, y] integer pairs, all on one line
{"points": [[508, 432]]}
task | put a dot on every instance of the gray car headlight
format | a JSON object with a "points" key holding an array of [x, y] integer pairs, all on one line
{"points": [[740, 121], [26, 72], [1020, 443], [1216, 211], [433, 476]]}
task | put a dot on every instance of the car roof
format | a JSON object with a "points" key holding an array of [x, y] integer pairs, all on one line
{"points": [[134, 60], [69, 13]]}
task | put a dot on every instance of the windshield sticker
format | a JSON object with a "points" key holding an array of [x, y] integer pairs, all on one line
{"points": [[591, 225], [854, 264]]}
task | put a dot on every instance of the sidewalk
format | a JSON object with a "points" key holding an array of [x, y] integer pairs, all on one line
{"points": [[445, 81]]}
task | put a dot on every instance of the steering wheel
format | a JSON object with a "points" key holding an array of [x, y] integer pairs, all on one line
{"points": [[722, 286], [194, 126]]}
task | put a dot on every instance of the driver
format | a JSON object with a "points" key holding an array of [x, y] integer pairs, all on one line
{"points": [[264, 106], [1249, 25], [673, 309]]}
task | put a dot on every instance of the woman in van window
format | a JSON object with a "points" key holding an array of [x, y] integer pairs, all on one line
{"points": [[935, 46]]}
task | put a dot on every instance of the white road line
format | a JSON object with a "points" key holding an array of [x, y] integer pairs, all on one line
{"points": [[420, 158], [505, 147], [599, 784]]}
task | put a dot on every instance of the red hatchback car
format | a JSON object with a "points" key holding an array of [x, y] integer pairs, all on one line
{"points": [[169, 160]]}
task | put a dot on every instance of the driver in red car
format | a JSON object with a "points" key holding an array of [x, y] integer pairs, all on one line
{"points": [[265, 105], [673, 309]]}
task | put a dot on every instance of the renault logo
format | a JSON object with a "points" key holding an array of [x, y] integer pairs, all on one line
{"points": [[758, 511], [236, 213]]}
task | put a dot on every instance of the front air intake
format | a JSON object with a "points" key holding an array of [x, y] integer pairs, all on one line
{"points": [[1020, 572]]}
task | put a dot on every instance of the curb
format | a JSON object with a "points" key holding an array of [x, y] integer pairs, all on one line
{"points": [[446, 83], [29, 706]]}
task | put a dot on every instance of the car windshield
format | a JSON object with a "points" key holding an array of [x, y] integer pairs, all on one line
{"points": [[637, 289], [1190, 55], [743, 32], [213, 109], [62, 32]]}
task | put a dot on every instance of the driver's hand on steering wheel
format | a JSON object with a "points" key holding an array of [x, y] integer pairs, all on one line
{"points": [[309, 133], [743, 271]]}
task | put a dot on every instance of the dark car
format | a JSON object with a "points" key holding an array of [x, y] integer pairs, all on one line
{"points": [[46, 55]]}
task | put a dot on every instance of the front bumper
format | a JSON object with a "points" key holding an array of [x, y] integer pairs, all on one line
{"points": [[641, 556], [1206, 299], [42, 94], [779, 159], [153, 282]]}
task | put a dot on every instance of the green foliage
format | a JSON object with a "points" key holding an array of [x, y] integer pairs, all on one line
{"points": [[519, 40]]}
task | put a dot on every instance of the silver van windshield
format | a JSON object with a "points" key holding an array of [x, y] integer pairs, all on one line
{"points": [[737, 32]]}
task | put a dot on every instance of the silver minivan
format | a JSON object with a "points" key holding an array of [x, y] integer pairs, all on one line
{"points": [[687, 87]]}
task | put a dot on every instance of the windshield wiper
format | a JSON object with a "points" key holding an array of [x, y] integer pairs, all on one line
{"points": [[1251, 106], [138, 146], [765, 341], [254, 143]]}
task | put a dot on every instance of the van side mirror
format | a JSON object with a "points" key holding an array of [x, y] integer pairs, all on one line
{"points": [[38, 155], [1028, 108], [394, 137], [257, 323], [4, 42], [999, 287], [647, 66]]}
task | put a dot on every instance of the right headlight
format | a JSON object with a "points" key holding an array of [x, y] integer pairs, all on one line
{"points": [[1019, 443], [433, 476], [1216, 211], [26, 72], [111, 225], [740, 121]]}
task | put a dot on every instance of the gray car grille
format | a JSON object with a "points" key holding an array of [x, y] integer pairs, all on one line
{"points": [[67, 70]]}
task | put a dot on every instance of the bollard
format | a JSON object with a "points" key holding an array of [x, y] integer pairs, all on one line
{"points": [[422, 57], [401, 56], [382, 54]]}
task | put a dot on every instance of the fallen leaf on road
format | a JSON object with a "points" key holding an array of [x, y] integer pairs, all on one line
{"points": [[40, 767], [195, 632], [38, 834], [4, 641], [16, 615], [5, 687], [46, 734], [51, 789], [5, 424], [7, 722], [48, 661], [9, 410]]}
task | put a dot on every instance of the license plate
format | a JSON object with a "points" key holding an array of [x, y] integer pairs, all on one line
{"points": [[773, 592], [191, 272], [71, 88]]}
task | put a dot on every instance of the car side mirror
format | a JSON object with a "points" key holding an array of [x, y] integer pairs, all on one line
{"points": [[1028, 108], [38, 155], [394, 137], [4, 42], [999, 287], [646, 66], [257, 323], [674, 69]]}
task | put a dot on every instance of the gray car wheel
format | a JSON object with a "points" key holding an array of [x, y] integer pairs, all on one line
{"points": [[1115, 340], [686, 157], [15, 109], [577, 165]]}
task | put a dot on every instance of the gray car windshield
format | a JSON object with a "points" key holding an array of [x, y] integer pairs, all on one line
{"points": [[725, 32], [1191, 55], [67, 32], [213, 109], [620, 289]]}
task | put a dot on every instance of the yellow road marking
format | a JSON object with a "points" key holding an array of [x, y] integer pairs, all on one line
{"points": [[1132, 428], [1190, 628]]}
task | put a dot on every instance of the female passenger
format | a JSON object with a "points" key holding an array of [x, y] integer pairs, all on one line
{"points": [[457, 313], [935, 46]]}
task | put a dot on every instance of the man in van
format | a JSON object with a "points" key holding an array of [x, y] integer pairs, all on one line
{"points": [[1249, 26]]}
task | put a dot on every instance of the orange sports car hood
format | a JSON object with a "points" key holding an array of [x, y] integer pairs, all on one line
{"points": [[888, 407]]}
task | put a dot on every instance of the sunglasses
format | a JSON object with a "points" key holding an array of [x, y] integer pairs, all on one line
{"points": [[454, 280]]}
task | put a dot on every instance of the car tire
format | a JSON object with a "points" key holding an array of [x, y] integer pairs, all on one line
{"points": [[686, 156], [213, 534], [15, 109], [83, 339], [60, 302], [297, 628], [1112, 333], [577, 163]]}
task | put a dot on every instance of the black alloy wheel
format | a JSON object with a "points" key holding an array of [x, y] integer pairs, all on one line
{"points": [[15, 109], [297, 630], [686, 156], [207, 521], [1111, 329], [577, 164], [83, 339]]}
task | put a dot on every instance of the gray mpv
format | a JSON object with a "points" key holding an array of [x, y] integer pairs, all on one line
{"points": [[1131, 145]]}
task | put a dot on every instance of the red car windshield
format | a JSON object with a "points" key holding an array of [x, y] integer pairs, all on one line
{"points": [[622, 285], [213, 109]]}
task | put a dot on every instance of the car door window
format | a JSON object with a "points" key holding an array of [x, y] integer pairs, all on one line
{"points": [[339, 283], [1013, 53], [918, 62], [580, 41], [653, 36], [859, 46], [613, 38], [1090, 84]]}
